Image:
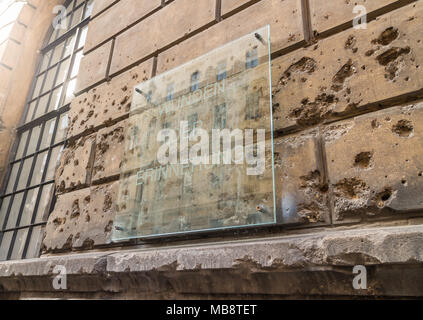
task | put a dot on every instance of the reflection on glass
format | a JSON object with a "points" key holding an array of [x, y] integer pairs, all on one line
{"points": [[12, 178], [3, 211], [44, 206], [83, 37], [39, 168], [76, 64], [54, 161], [31, 199], [5, 245], [172, 180], [19, 244], [35, 243], [42, 105], [55, 99], [14, 211], [63, 71], [33, 140], [31, 110], [70, 91], [22, 144], [23, 178], [48, 133], [62, 129]]}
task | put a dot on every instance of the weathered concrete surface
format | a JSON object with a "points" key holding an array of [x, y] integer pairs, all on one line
{"points": [[314, 264], [375, 164], [82, 219], [350, 72]]}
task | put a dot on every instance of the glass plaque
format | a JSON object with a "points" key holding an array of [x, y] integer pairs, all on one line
{"points": [[199, 146]]}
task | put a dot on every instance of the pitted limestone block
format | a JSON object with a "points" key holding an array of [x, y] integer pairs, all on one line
{"points": [[109, 152], [161, 29], [96, 227], [108, 102], [229, 6], [375, 164], [284, 32], [117, 18], [93, 67], [325, 16], [65, 221], [76, 165], [82, 219], [301, 189], [339, 75]]}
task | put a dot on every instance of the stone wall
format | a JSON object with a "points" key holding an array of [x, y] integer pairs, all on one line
{"points": [[347, 108]]}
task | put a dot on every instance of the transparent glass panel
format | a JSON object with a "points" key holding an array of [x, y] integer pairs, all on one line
{"points": [[31, 199], [63, 71], [46, 60], [89, 8], [33, 140], [37, 86], [42, 106], [12, 178], [70, 91], [77, 16], [55, 99], [48, 85], [62, 129], [26, 169], [48, 134], [83, 37], [54, 161], [213, 168], [35, 243], [57, 55], [39, 168], [69, 46], [14, 211], [19, 245], [3, 211], [31, 110], [5, 245], [44, 206], [22, 144], [76, 64]]}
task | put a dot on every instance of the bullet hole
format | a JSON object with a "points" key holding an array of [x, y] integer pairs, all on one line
{"points": [[351, 188], [404, 182], [369, 52], [345, 72], [387, 36], [351, 44], [312, 113], [404, 128], [420, 173], [383, 198], [375, 124], [109, 227], [87, 218], [75, 209], [391, 55], [304, 65], [363, 160]]}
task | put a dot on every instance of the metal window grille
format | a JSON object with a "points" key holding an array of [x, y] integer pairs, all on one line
{"points": [[27, 195]]}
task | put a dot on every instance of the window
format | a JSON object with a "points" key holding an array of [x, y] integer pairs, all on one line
{"points": [[195, 81], [252, 59], [221, 71], [26, 197], [220, 116]]}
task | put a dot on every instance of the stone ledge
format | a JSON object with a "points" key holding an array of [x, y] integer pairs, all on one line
{"points": [[322, 262]]}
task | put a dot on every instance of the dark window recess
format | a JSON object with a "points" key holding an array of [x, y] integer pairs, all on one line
{"points": [[192, 122], [221, 71], [220, 117], [195, 81], [252, 59], [253, 106], [27, 196], [170, 92]]}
